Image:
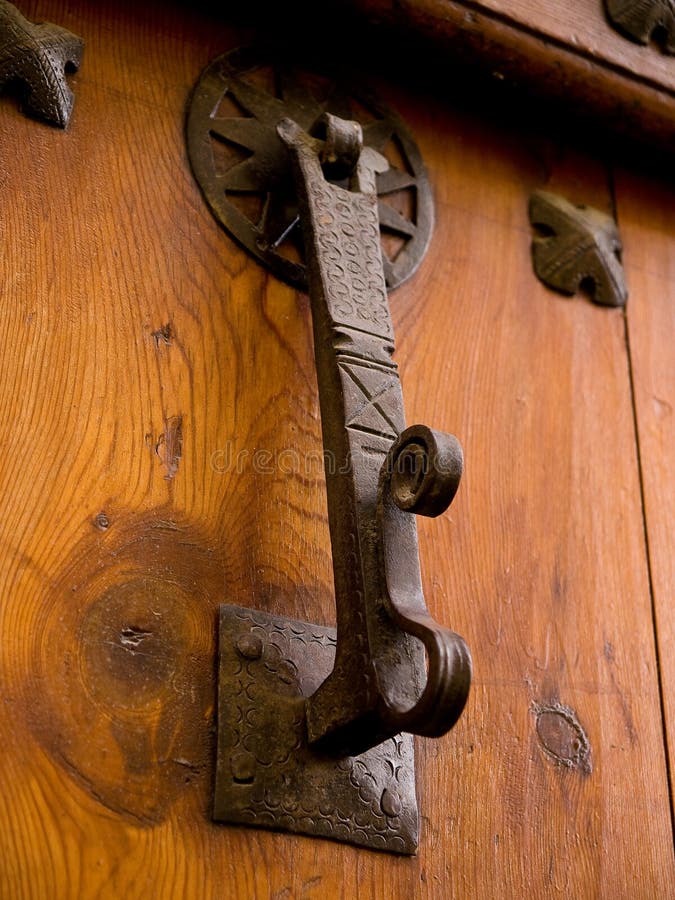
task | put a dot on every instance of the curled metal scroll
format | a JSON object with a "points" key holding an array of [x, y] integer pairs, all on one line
{"points": [[421, 475]]}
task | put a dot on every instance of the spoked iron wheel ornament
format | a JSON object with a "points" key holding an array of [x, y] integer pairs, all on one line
{"points": [[244, 171]]}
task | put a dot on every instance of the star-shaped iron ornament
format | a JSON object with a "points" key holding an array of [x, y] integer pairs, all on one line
{"points": [[36, 57], [256, 164]]}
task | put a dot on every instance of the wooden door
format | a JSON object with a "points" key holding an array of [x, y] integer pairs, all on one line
{"points": [[145, 359]]}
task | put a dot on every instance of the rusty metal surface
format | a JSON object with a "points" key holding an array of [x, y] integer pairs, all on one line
{"points": [[36, 58], [577, 247], [244, 170], [267, 775], [644, 20]]}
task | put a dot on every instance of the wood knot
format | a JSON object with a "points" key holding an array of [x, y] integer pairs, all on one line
{"points": [[562, 737], [102, 522], [119, 663]]}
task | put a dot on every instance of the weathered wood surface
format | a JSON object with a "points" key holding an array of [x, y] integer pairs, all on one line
{"points": [[646, 212], [144, 361]]}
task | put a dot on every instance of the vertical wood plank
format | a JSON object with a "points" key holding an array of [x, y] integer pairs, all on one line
{"points": [[549, 582], [646, 214]]}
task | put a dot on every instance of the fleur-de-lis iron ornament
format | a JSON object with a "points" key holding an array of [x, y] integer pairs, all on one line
{"points": [[577, 247], [36, 57], [643, 20]]}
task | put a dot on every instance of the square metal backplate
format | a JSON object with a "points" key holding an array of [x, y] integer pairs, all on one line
{"points": [[267, 775]]}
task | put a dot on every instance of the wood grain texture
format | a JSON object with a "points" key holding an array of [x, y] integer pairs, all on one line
{"points": [[151, 377], [645, 212]]}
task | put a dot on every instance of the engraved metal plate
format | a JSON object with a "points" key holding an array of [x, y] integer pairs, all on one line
{"points": [[266, 773]]}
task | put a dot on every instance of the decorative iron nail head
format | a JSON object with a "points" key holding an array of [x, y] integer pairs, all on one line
{"points": [[36, 57], [577, 246], [642, 20]]}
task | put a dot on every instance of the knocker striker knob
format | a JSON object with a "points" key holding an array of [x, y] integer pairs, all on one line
{"points": [[425, 468]]}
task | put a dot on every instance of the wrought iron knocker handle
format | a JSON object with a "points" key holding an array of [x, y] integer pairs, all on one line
{"points": [[381, 683], [314, 724]]}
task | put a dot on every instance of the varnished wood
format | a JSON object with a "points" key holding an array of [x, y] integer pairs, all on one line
{"points": [[645, 208], [163, 455]]}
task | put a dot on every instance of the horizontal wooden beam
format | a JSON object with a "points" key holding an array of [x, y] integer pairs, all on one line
{"points": [[586, 67], [555, 68]]}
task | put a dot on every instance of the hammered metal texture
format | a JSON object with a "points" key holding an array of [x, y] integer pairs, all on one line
{"points": [[267, 775], [396, 669]]}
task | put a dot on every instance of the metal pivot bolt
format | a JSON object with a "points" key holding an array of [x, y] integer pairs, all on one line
{"points": [[314, 725]]}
